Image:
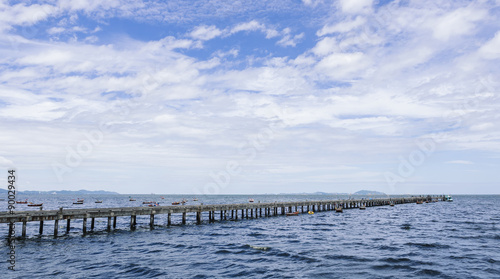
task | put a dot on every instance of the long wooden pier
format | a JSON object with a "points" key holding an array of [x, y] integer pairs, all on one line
{"points": [[224, 212]]}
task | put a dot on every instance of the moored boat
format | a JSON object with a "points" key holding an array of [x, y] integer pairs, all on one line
{"points": [[310, 212], [78, 202], [250, 200], [176, 203], [339, 209], [35, 204], [293, 213], [98, 201], [22, 202], [362, 207]]}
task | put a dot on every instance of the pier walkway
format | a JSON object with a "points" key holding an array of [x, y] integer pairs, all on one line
{"points": [[215, 211]]}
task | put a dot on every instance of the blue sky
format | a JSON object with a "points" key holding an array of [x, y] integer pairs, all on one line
{"points": [[227, 97]]}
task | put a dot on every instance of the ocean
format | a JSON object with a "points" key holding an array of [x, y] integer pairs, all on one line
{"points": [[459, 239]]}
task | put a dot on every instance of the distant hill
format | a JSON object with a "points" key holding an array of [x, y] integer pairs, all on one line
{"points": [[66, 192], [367, 192]]}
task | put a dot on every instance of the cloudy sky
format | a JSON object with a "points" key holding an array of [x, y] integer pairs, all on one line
{"points": [[250, 97]]}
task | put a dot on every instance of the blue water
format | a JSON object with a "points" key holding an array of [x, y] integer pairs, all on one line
{"points": [[444, 240]]}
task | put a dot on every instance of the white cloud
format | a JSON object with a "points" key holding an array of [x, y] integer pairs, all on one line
{"points": [[355, 6], [255, 26], [342, 27], [326, 46], [289, 40], [55, 30], [491, 49], [342, 65], [205, 33], [456, 23]]}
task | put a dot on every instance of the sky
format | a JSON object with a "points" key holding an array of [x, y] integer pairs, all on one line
{"points": [[249, 97]]}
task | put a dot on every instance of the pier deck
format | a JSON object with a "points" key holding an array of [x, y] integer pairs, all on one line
{"points": [[227, 211]]}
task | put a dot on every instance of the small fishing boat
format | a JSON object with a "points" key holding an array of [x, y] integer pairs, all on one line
{"points": [[392, 204], [310, 212], [293, 213], [154, 204], [338, 209], [131, 199], [147, 202], [448, 198], [420, 202], [98, 201], [22, 202], [250, 200], [195, 199], [362, 207], [35, 204], [176, 203], [78, 202]]}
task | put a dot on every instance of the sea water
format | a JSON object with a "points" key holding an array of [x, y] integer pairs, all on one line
{"points": [[459, 239]]}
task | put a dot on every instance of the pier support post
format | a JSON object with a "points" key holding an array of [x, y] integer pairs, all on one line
{"points": [[11, 229], [92, 222], [84, 225], [169, 219], [183, 218], [56, 226], [198, 217], [40, 230], [210, 216], [24, 228], [68, 225], [232, 214], [132, 222], [151, 221], [114, 222], [109, 224], [251, 213]]}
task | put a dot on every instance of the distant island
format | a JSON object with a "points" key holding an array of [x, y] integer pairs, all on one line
{"points": [[65, 192]]}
